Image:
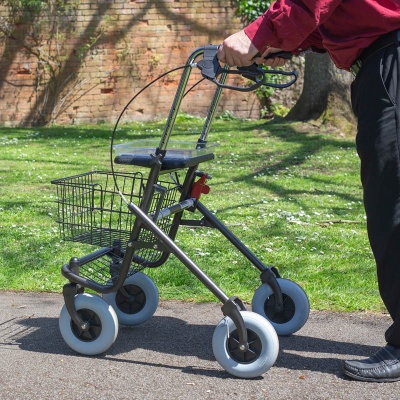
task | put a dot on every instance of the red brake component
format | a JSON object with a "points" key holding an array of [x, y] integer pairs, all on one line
{"points": [[200, 187]]}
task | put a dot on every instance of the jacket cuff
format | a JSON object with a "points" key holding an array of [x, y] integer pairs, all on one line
{"points": [[261, 35]]}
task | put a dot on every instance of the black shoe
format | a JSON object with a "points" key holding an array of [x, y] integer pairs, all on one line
{"points": [[383, 366]]}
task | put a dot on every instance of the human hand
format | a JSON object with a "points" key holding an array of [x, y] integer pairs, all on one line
{"points": [[237, 50], [267, 58]]}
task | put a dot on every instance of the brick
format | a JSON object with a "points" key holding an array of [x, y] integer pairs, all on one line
{"points": [[141, 41]]}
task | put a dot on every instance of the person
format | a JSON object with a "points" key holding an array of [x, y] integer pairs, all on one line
{"points": [[361, 36]]}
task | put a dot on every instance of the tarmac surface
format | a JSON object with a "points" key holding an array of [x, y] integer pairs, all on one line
{"points": [[170, 357]]}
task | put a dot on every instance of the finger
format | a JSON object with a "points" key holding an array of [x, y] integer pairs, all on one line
{"points": [[224, 56], [274, 62], [266, 53], [221, 54], [259, 60]]}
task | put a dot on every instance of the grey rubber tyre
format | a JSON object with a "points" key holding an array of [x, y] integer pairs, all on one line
{"points": [[102, 320], [262, 353], [141, 303], [296, 306]]}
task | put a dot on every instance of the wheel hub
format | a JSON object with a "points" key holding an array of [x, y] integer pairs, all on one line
{"points": [[241, 355], [285, 315], [130, 299], [91, 329]]}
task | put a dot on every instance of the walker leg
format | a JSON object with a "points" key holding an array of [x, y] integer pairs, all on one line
{"points": [[232, 309]]}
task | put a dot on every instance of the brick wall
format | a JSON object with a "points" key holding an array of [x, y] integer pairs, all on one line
{"points": [[85, 66]]}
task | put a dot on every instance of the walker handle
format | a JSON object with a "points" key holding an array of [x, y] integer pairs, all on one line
{"points": [[287, 55], [211, 69]]}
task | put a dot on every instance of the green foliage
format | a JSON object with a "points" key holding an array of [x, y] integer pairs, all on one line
{"points": [[33, 5], [280, 110], [290, 192], [36, 7], [264, 93], [30, 8], [31, 11], [251, 10]]}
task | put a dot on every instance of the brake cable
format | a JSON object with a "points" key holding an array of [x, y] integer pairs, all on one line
{"points": [[113, 173]]}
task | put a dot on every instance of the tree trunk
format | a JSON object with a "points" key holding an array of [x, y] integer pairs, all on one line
{"points": [[326, 94]]}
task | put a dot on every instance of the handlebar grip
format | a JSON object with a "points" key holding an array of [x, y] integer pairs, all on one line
{"points": [[287, 55], [211, 69]]}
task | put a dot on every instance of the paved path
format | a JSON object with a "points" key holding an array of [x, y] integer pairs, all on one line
{"points": [[170, 357]]}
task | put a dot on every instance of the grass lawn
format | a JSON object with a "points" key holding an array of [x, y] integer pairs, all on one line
{"points": [[290, 191]]}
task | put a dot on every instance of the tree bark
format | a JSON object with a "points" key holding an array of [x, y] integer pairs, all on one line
{"points": [[326, 94]]}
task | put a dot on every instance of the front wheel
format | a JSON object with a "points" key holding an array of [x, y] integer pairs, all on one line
{"points": [[296, 306], [263, 346], [136, 301], [102, 325]]}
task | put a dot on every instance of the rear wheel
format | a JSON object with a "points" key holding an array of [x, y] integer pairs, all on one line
{"points": [[296, 306], [136, 301]]}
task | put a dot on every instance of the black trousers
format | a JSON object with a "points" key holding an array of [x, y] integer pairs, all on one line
{"points": [[376, 104]]}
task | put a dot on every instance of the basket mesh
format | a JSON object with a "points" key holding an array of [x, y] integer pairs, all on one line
{"points": [[90, 210]]}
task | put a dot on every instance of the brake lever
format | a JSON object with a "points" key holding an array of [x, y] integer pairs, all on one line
{"points": [[253, 70], [293, 73], [287, 55], [252, 73], [211, 69]]}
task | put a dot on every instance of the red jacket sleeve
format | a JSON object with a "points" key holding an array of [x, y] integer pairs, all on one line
{"points": [[312, 42], [291, 25]]}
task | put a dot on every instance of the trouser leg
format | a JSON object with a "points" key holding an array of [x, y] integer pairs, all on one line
{"points": [[376, 103], [389, 278]]}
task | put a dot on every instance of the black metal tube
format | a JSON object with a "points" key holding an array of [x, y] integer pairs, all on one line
{"points": [[165, 212], [178, 99], [213, 108], [216, 223], [267, 275], [71, 272], [180, 255], [68, 273]]}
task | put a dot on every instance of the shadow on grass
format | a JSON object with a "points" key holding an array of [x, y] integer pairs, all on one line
{"points": [[306, 147]]}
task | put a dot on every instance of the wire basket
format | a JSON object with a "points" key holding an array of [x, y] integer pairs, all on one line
{"points": [[90, 209]]}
